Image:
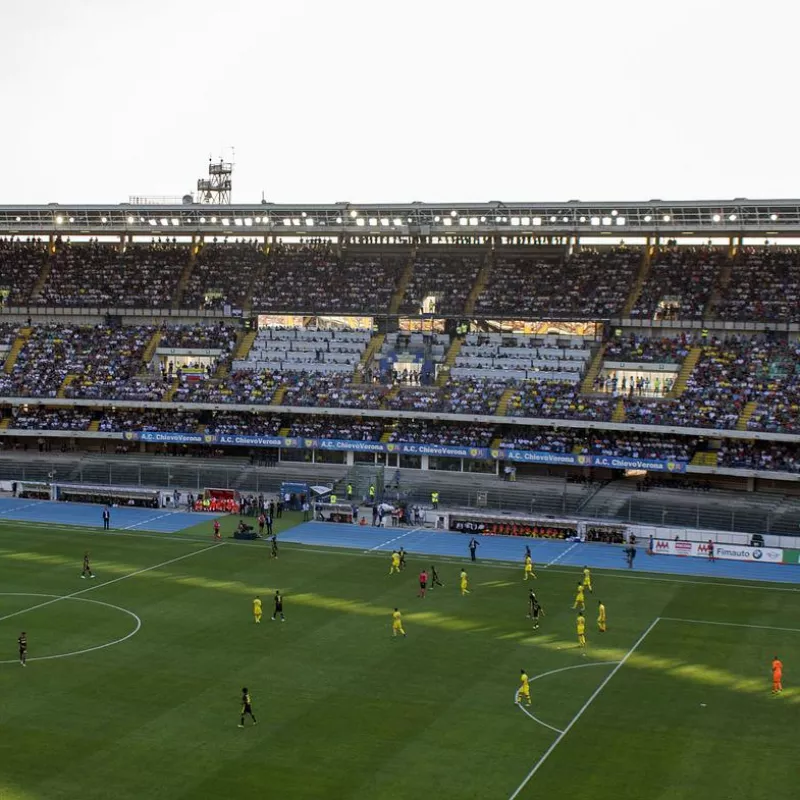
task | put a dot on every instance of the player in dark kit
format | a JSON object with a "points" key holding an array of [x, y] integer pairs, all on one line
{"points": [[402, 558], [536, 612], [435, 578], [87, 570], [247, 708], [23, 648], [274, 552], [278, 606]]}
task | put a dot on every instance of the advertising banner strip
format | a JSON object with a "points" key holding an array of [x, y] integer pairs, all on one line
{"points": [[410, 448], [727, 552]]}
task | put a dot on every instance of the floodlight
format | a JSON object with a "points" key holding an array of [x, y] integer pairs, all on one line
{"points": [[773, 217], [665, 218], [338, 220], [620, 220], [606, 220], [176, 221], [614, 212], [354, 213], [258, 220], [310, 222], [583, 220], [648, 218], [213, 220], [515, 220], [526, 220], [164, 221], [373, 221], [462, 220], [398, 221], [72, 219], [385, 221], [498, 219], [454, 213], [296, 221], [473, 220], [410, 219], [360, 222], [552, 219], [565, 219], [437, 219], [153, 222], [537, 220], [237, 221], [104, 220], [716, 218], [59, 220], [595, 220], [287, 222], [732, 217], [225, 221], [483, 219], [202, 220], [248, 221], [447, 221], [130, 220], [303, 214], [19, 219]]}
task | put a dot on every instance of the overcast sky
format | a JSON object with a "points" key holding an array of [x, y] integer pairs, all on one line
{"points": [[417, 100]]}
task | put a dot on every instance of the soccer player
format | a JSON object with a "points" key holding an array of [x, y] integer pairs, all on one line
{"points": [[23, 648], [579, 601], [274, 541], [247, 708], [464, 582], [395, 562], [402, 555], [581, 628], [278, 606], [87, 570], [435, 578], [630, 553], [524, 688], [423, 583], [531, 601], [536, 612], [601, 616], [397, 623], [257, 609], [777, 675], [587, 579], [217, 537], [529, 568]]}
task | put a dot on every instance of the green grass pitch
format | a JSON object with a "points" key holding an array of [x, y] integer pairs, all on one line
{"points": [[345, 711]]}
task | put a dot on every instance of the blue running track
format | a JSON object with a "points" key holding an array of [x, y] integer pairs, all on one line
{"points": [[87, 515], [545, 552]]}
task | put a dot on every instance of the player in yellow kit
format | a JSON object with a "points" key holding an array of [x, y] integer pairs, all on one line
{"points": [[529, 573], [601, 616], [257, 609], [579, 602], [464, 582], [581, 628], [395, 562], [397, 623], [524, 688], [587, 579]]}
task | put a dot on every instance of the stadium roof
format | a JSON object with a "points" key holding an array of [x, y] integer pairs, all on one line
{"points": [[739, 217]]}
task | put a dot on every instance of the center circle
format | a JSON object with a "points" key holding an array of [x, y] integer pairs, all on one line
{"points": [[55, 597]]}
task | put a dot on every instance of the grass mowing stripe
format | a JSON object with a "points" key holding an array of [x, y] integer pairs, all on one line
{"points": [[732, 624], [113, 580], [583, 709]]}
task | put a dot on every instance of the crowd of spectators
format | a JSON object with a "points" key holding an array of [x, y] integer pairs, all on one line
{"points": [[8, 332], [649, 349], [314, 278], [458, 396], [352, 428], [50, 419], [679, 284], [223, 274], [121, 420], [447, 277], [97, 274], [638, 445], [235, 423], [218, 336], [778, 456], [329, 391], [593, 283], [764, 285], [444, 433], [555, 400], [242, 386], [21, 264]]}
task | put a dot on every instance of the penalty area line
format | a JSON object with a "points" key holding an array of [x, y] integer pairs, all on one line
{"points": [[537, 766]]}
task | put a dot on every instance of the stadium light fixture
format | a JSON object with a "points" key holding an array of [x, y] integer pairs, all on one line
{"points": [[354, 213], [176, 221], [665, 218], [296, 221], [226, 221], [648, 218], [773, 217], [72, 219], [310, 222], [130, 220], [213, 220], [437, 219], [620, 220], [565, 219], [595, 220], [483, 219], [537, 220], [614, 212], [303, 214], [59, 220], [202, 220], [373, 221], [583, 220], [606, 220], [164, 221], [258, 220], [732, 217], [515, 220], [237, 221], [398, 221], [454, 213], [248, 221], [287, 222], [473, 220], [498, 219], [19, 219], [410, 220], [104, 220], [447, 221], [360, 222], [338, 220], [716, 218], [153, 222], [385, 221], [526, 220], [552, 219], [462, 220]]}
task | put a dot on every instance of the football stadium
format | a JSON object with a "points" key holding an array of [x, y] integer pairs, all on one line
{"points": [[363, 501]]}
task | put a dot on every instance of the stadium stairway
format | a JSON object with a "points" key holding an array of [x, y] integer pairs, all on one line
{"points": [[244, 343], [705, 459], [505, 399], [402, 285], [13, 354], [689, 363], [641, 279], [480, 284], [449, 360], [374, 345], [390, 395], [150, 349], [587, 384], [285, 431], [94, 426], [170, 393], [746, 415], [277, 398], [5, 423], [183, 280], [62, 390], [496, 442], [720, 287], [44, 276], [386, 436], [619, 414]]}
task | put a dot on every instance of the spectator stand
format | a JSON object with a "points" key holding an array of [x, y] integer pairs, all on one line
{"points": [[410, 359]]}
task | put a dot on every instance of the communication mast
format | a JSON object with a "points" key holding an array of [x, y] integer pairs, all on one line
{"points": [[216, 189]]}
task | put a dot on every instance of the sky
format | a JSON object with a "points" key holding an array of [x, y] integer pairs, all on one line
{"points": [[428, 100]]}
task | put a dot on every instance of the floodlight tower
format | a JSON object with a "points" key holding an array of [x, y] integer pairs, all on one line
{"points": [[216, 189]]}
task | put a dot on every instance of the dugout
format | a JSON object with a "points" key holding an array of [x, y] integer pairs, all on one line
{"points": [[294, 495]]}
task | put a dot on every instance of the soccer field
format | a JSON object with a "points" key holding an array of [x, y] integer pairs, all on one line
{"points": [[133, 684]]}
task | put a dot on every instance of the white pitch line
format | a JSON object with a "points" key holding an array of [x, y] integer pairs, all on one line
{"points": [[113, 580], [732, 624], [582, 710], [149, 519], [555, 672], [17, 508], [86, 649], [396, 538], [561, 555]]}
